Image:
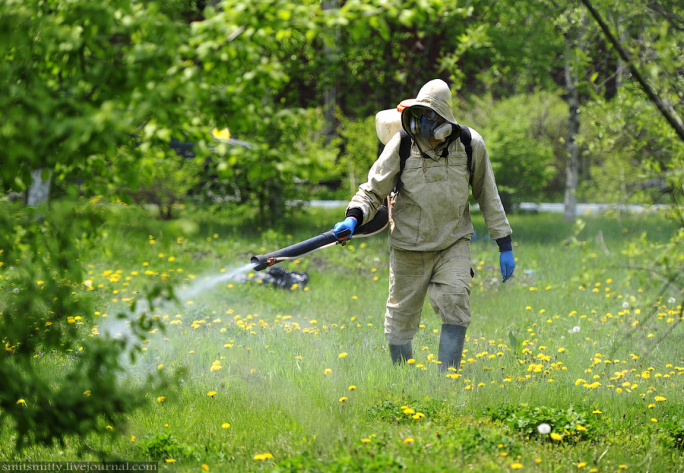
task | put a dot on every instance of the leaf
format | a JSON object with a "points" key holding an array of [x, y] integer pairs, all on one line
{"points": [[516, 344]]}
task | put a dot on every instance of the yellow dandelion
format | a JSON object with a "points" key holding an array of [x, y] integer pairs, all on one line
{"points": [[516, 466], [170, 460], [205, 467], [225, 425], [21, 401], [109, 427], [327, 371], [365, 440], [654, 420], [352, 387], [555, 436], [581, 428], [132, 438], [410, 361], [408, 411], [160, 367], [660, 398], [211, 393], [622, 467], [342, 355], [87, 392], [408, 440], [161, 399], [597, 412], [263, 456], [343, 398]]}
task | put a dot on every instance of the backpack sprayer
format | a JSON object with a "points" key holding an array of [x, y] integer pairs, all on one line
{"points": [[324, 240], [387, 124]]}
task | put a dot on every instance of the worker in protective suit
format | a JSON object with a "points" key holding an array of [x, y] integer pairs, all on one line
{"points": [[430, 225]]}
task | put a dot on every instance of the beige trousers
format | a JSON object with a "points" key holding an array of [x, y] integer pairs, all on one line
{"points": [[444, 275]]}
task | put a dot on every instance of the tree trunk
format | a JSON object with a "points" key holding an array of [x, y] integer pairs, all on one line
{"points": [[330, 93], [39, 191], [572, 166]]}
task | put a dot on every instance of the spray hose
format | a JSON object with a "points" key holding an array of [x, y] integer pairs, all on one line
{"points": [[324, 240]]}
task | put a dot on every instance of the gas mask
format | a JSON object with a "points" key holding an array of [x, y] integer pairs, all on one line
{"points": [[424, 122]]}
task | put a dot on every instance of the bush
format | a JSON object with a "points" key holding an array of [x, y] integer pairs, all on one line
{"points": [[524, 137], [45, 309], [577, 425], [674, 429]]}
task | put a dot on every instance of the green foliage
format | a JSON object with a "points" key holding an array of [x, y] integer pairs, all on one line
{"points": [[516, 344], [163, 446], [674, 429], [378, 463], [359, 150], [623, 135], [166, 182], [44, 311], [633, 133], [404, 410], [470, 442], [524, 139], [575, 424], [290, 149]]}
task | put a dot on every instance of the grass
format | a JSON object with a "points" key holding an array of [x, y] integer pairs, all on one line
{"points": [[274, 347]]}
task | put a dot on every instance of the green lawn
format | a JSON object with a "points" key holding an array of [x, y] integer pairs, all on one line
{"points": [[285, 361]]}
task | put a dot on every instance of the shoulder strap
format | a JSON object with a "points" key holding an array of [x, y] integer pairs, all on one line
{"points": [[404, 150], [465, 139], [404, 153]]}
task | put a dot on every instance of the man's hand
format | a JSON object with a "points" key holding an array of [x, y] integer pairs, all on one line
{"points": [[507, 263], [348, 223]]}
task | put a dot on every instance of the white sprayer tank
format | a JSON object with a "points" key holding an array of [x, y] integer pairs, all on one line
{"points": [[388, 122]]}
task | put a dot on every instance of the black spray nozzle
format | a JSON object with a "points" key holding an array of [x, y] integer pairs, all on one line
{"points": [[378, 223], [260, 262], [303, 247]]}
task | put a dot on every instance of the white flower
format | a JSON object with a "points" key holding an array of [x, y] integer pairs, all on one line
{"points": [[625, 305], [15, 290], [544, 429], [11, 268], [671, 300], [574, 329]]}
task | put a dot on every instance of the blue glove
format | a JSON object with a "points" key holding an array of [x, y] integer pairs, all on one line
{"points": [[348, 223], [507, 263]]}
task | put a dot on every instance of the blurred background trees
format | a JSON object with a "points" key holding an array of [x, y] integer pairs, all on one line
{"points": [[95, 94]]}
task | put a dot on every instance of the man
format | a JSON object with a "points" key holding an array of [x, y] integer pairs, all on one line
{"points": [[430, 226]]}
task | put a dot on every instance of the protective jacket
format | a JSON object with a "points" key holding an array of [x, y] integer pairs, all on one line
{"points": [[431, 211]]}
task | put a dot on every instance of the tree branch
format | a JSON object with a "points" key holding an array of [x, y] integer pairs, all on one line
{"points": [[635, 72]]}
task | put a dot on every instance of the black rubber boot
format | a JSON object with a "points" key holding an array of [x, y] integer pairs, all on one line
{"points": [[401, 353], [451, 342]]}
